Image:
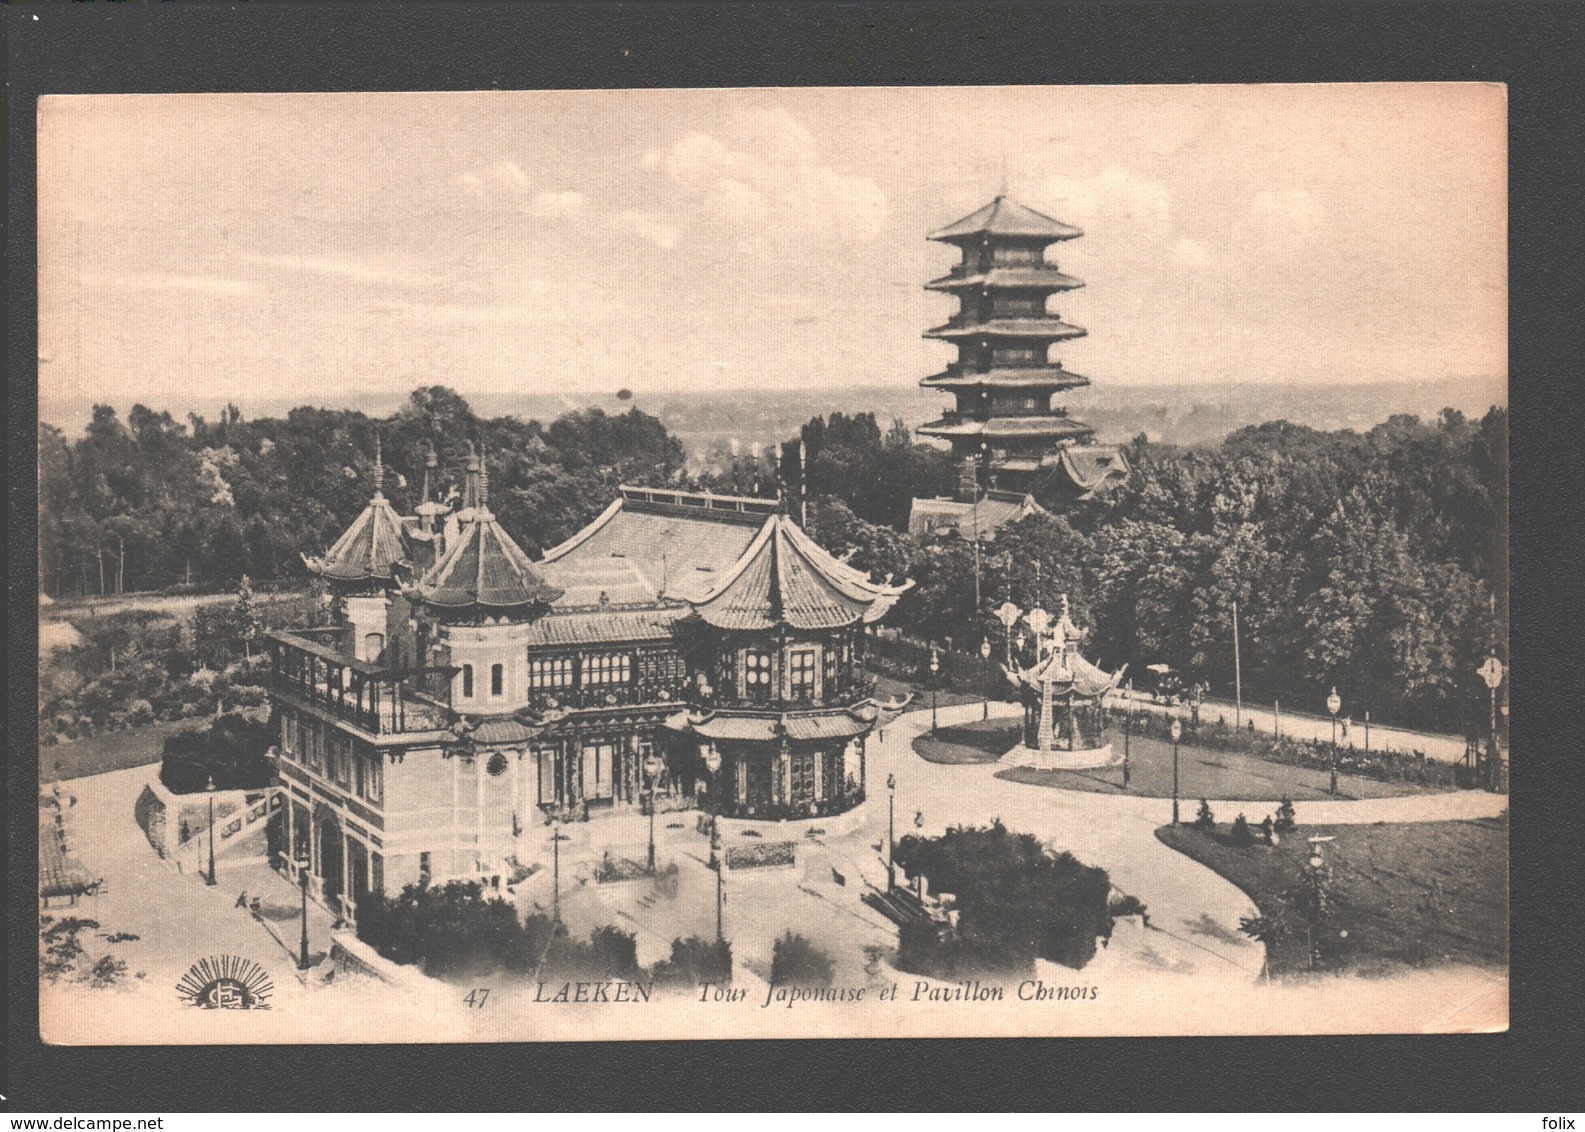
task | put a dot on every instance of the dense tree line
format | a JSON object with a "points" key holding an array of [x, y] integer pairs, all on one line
{"points": [[1374, 562], [150, 502]]}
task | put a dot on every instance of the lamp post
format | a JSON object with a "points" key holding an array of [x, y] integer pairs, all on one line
{"points": [[1039, 621], [1317, 895], [555, 869], [210, 880], [302, 884], [1492, 672], [1008, 614], [1128, 725], [935, 667], [1333, 703], [1177, 733], [652, 767], [985, 677], [712, 763], [891, 813]]}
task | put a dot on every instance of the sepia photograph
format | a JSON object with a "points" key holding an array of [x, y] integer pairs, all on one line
{"points": [[821, 562]]}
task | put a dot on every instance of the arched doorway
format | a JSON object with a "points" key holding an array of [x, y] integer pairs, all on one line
{"points": [[331, 859], [358, 873]]}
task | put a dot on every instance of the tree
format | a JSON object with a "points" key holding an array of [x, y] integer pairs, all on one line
{"points": [[797, 962]]}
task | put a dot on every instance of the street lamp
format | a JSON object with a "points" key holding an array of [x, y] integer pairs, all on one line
{"points": [[985, 677], [1333, 703], [555, 874], [712, 763], [1008, 614], [1317, 895], [1128, 725], [1039, 621], [1177, 733], [935, 667], [719, 861], [1492, 672], [210, 880], [302, 884], [891, 814], [652, 767]]}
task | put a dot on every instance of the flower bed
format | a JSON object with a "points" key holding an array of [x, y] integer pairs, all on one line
{"points": [[769, 855]]}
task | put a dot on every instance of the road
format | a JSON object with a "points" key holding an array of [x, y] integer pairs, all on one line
{"points": [[1442, 748]]}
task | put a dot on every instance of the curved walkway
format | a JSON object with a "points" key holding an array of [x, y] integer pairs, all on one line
{"points": [[1195, 911]]}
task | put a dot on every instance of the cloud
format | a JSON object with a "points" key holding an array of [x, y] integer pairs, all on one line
{"points": [[502, 177], [160, 281], [649, 226], [770, 176], [337, 268], [567, 204], [1115, 198]]}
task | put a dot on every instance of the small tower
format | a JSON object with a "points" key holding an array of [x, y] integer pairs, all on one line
{"points": [[1004, 427], [364, 565]]}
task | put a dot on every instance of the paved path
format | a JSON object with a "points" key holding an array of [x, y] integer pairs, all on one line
{"points": [[1442, 748]]}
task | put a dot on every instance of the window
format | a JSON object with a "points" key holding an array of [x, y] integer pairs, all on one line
{"points": [[497, 679], [467, 681], [374, 779], [803, 777], [1015, 355], [550, 672], [608, 668], [425, 873], [289, 734], [360, 782], [1015, 254], [756, 673], [496, 767], [801, 670]]}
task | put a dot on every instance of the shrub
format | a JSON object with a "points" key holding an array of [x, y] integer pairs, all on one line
{"points": [[232, 750], [453, 931], [610, 953], [694, 961], [796, 961], [1205, 819], [1016, 901], [1241, 834], [1287, 821]]}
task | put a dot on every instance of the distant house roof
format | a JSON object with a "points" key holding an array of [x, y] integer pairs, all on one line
{"points": [[967, 520], [369, 549], [484, 568], [1094, 468], [785, 578], [652, 543], [1004, 217]]}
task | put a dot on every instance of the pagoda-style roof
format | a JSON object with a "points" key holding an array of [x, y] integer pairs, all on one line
{"points": [[1094, 467], [1004, 217], [1052, 377], [369, 550], [652, 543], [484, 569], [784, 578], [1010, 427], [1069, 675], [1025, 277], [1050, 328], [977, 521], [766, 727], [603, 626]]}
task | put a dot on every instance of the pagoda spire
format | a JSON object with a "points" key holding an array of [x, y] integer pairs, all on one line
{"points": [[379, 466]]}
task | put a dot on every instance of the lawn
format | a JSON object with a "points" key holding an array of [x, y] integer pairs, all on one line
{"points": [[115, 750], [1413, 894], [983, 741], [1208, 774], [891, 688]]}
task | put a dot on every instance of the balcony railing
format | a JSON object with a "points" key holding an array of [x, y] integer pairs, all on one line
{"points": [[373, 699], [595, 696]]}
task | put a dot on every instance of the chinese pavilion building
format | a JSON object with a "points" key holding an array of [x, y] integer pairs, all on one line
{"points": [[466, 691], [1005, 431]]}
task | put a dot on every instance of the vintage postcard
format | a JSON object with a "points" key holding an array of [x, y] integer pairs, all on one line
{"points": [[667, 564]]}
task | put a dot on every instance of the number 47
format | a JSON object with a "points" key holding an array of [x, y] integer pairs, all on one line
{"points": [[477, 996]]}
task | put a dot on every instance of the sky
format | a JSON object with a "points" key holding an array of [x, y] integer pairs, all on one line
{"points": [[326, 247]]}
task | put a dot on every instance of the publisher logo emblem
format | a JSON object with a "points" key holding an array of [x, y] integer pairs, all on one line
{"points": [[226, 982]]}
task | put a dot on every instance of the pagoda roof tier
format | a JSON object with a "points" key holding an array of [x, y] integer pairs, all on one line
{"points": [[1009, 427], [1023, 278], [1050, 328], [1069, 675], [484, 568], [764, 727], [371, 548], [785, 578], [1051, 377], [1004, 217]]}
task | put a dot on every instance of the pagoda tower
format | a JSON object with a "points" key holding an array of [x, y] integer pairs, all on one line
{"points": [[1004, 430]]}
